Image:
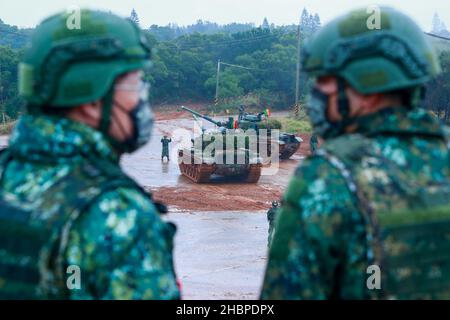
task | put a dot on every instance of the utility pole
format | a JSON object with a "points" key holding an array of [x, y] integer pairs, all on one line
{"points": [[1, 84], [1, 93], [219, 65], [297, 77], [217, 82]]}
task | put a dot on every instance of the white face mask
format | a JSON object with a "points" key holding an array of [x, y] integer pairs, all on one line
{"points": [[142, 119]]}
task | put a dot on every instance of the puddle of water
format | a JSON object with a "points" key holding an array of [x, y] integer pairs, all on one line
{"points": [[146, 168]]}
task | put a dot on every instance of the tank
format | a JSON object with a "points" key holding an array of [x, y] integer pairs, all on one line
{"points": [[288, 143], [200, 167]]}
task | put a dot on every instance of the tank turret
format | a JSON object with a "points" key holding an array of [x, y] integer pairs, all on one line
{"points": [[230, 124], [207, 158]]}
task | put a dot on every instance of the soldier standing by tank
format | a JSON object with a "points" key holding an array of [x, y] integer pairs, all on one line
{"points": [[313, 143], [165, 141], [374, 199], [271, 217], [64, 200]]}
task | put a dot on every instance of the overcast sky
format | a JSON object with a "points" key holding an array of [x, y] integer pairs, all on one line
{"points": [[26, 13]]}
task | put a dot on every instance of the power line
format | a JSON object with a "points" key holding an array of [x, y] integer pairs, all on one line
{"points": [[437, 36], [242, 67], [15, 33], [248, 40], [220, 63], [215, 45], [256, 69], [189, 46], [226, 43]]}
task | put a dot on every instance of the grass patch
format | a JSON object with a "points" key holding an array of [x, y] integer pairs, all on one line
{"points": [[296, 126]]}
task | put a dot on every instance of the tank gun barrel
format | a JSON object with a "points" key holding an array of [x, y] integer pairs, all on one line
{"points": [[217, 123]]}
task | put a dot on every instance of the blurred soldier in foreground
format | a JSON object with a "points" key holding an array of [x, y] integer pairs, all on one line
{"points": [[165, 148], [271, 217], [367, 216], [64, 201], [313, 143]]}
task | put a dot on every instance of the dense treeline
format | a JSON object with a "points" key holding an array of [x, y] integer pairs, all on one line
{"points": [[438, 90], [10, 103], [12, 42], [264, 60], [185, 64], [173, 31], [12, 36], [187, 67]]}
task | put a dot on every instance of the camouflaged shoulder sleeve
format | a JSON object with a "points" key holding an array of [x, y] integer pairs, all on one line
{"points": [[446, 130], [124, 249], [319, 233]]}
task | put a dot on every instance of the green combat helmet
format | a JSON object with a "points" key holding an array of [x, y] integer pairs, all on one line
{"points": [[391, 56], [66, 67], [410, 241]]}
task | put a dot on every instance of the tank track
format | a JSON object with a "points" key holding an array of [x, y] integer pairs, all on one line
{"points": [[198, 173], [287, 152], [254, 173]]}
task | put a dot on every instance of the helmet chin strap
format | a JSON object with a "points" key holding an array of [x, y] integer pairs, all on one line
{"points": [[417, 96], [343, 103], [105, 121], [343, 106]]}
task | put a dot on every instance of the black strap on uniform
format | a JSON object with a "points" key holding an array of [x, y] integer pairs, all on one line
{"points": [[5, 158], [105, 120], [343, 103]]}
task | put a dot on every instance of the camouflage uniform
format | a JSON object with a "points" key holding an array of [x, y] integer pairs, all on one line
{"points": [[271, 217], [320, 250], [120, 243], [165, 148], [64, 200], [313, 142], [377, 196]]}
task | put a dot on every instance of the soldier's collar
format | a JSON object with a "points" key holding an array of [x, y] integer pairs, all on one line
{"points": [[40, 137], [399, 120]]}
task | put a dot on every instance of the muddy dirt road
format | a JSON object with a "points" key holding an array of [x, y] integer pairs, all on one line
{"points": [[220, 255], [221, 243], [167, 185]]}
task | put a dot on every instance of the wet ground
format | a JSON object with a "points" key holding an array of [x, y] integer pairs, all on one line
{"points": [[167, 185], [221, 243], [220, 255], [3, 142]]}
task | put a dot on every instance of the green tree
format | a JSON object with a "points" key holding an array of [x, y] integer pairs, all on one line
{"points": [[185, 62], [438, 90], [134, 16], [10, 104], [229, 85]]}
